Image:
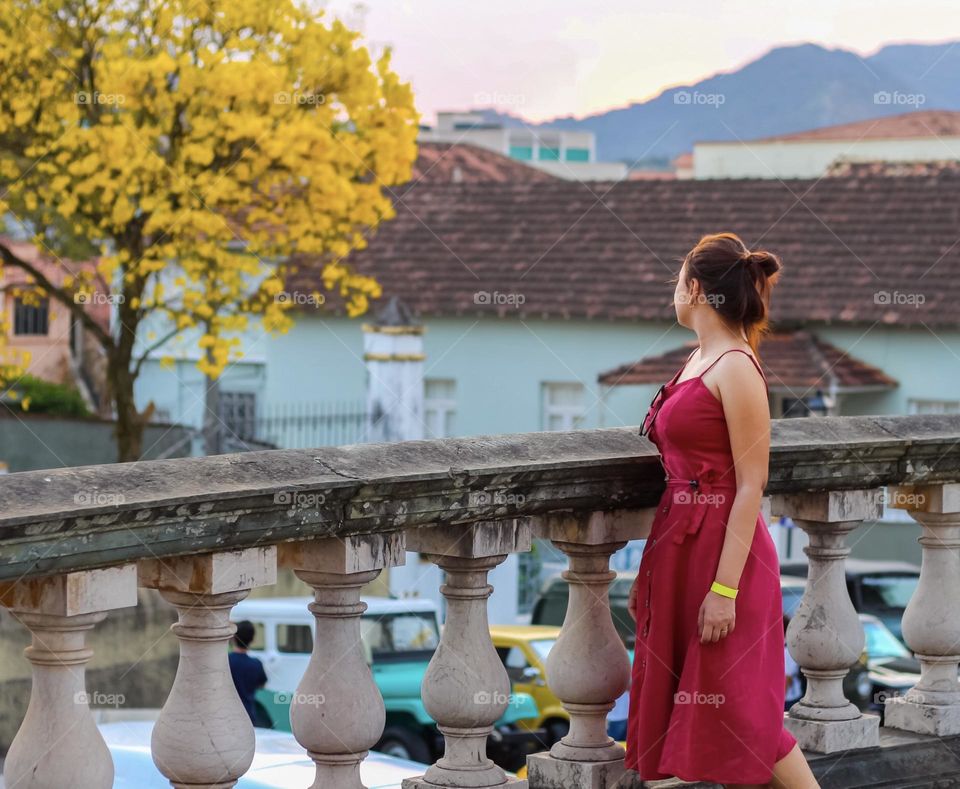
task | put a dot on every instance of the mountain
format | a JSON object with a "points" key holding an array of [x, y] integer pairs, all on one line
{"points": [[789, 89]]}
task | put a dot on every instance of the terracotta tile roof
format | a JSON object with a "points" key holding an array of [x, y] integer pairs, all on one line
{"points": [[859, 169], [925, 123], [855, 250], [445, 163], [792, 361]]}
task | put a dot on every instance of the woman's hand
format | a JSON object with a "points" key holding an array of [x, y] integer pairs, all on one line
{"points": [[717, 617], [632, 598]]}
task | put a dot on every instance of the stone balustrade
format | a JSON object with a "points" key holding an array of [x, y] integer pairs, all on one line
{"points": [[76, 543]]}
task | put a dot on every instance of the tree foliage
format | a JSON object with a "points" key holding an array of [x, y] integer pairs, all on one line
{"points": [[194, 147]]}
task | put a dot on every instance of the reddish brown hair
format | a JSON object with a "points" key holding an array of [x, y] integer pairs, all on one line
{"points": [[735, 281]]}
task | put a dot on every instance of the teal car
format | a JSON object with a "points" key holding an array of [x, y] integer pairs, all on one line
{"points": [[399, 638]]}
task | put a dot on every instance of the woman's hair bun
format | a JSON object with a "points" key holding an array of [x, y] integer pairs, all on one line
{"points": [[763, 262]]}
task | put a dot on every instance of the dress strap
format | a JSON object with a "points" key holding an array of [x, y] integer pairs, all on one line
{"points": [[750, 356]]}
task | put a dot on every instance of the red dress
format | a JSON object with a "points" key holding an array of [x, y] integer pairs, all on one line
{"points": [[714, 711]]}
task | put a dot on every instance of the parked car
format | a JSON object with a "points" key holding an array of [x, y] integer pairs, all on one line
{"points": [[880, 588], [279, 763], [893, 668], [399, 638], [857, 685], [523, 650], [551, 605]]}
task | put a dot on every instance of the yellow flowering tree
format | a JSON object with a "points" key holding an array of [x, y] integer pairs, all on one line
{"points": [[194, 146]]}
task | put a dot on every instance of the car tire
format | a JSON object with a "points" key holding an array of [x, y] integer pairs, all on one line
{"points": [[404, 743], [556, 730]]}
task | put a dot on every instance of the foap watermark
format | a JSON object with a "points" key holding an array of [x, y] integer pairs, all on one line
{"points": [[96, 97], [497, 99], [296, 97], [297, 299], [96, 297], [498, 498], [902, 498], [98, 498], [696, 697], [698, 497], [300, 699], [496, 299], [696, 98], [898, 298], [98, 698], [713, 299], [496, 697], [899, 99], [891, 696], [298, 499]]}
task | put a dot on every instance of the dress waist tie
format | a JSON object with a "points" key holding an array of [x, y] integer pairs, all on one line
{"points": [[697, 495]]}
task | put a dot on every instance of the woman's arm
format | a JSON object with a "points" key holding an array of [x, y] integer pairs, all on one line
{"points": [[741, 391]]}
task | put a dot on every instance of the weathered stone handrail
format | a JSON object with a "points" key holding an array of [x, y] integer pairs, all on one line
{"points": [[96, 516], [76, 543]]}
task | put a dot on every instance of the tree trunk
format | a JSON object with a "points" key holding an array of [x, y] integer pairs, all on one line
{"points": [[130, 423], [212, 426]]}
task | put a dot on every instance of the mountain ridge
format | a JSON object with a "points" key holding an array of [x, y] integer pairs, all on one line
{"points": [[788, 89]]}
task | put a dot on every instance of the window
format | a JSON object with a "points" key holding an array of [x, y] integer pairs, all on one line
{"points": [[522, 152], [549, 154], [578, 154], [883, 592], [238, 412], [400, 636], [514, 661], [795, 407], [32, 318], [439, 406], [563, 407], [294, 639], [933, 406]]}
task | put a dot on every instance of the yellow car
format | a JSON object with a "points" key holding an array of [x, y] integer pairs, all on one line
{"points": [[523, 650]]}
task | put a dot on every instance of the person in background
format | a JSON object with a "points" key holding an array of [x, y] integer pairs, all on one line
{"points": [[794, 688], [247, 671]]}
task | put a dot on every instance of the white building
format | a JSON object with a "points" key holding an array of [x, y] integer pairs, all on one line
{"points": [[565, 154], [931, 135]]}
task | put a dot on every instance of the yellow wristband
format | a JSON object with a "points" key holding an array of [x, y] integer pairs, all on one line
{"points": [[726, 591]]}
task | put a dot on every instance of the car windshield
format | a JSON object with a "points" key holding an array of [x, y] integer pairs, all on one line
{"points": [[881, 643], [791, 599], [542, 647], [408, 631], [887, 591]]}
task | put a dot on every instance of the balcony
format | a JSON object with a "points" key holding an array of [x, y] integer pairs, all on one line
{"points": [[76, 544]]}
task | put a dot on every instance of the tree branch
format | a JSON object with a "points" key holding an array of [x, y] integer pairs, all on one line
{"points": [[41, 279]]}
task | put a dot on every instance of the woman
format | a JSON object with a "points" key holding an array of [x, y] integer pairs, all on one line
{"points": [[707, 694]]}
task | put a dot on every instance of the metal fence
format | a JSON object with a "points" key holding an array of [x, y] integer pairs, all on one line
{"points": [[306, 425]]}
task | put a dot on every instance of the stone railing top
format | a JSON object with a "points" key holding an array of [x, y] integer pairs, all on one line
{"points": [[95, 516]]}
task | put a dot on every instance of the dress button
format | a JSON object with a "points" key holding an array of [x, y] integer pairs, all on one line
{"points": [[648, 573], [646, 603], [665, 509], [646, 630]]}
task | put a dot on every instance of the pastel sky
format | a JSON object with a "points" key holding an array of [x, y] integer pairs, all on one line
{"points": [[544, 58]]}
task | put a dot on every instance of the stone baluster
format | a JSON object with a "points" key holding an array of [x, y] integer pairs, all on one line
{"points": [[588, 668], [825, 636], [337, 712], [931, 622], [58, 743], [204, 737], [466, 688]]}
